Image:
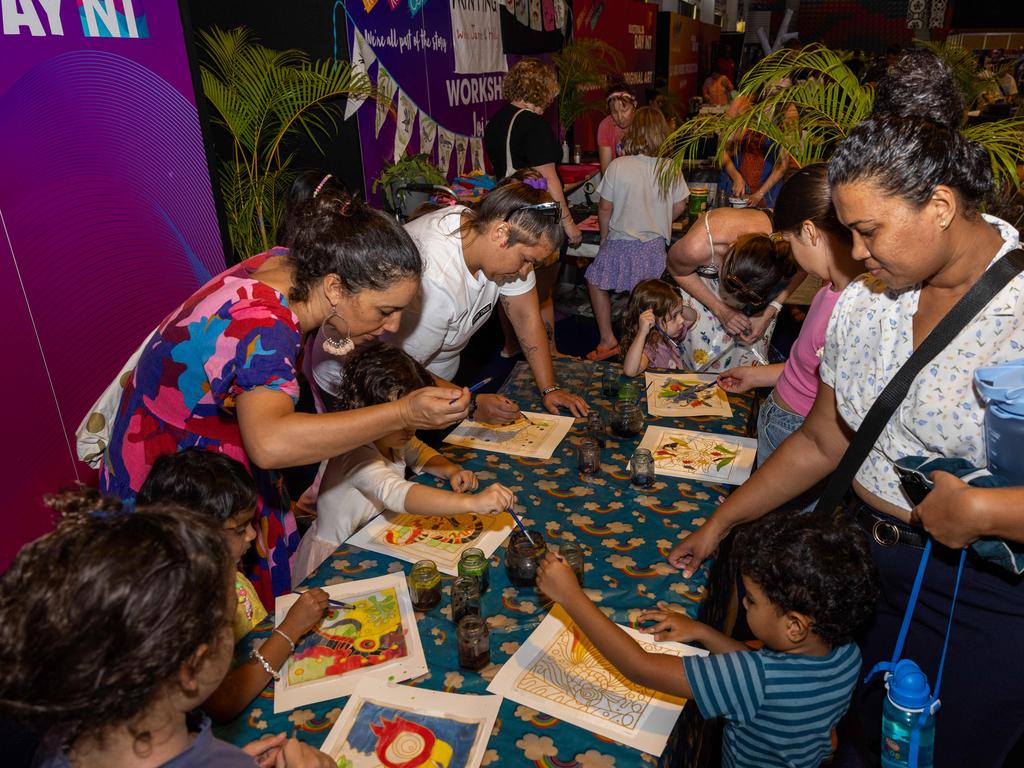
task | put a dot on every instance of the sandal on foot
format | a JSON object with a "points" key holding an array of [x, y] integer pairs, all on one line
{"points": [[603, 353]]}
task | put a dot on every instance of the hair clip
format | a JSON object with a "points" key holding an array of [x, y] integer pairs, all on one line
{"points": [[541, 183], [776, 237], [321, 185]]}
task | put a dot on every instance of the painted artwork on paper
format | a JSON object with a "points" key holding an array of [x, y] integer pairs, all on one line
{"points": [[369, 634], [442, 539], [559, 672], [686, 395], [376, 637], [394, 726], [535, 435], [704, 456], [387, 737]]}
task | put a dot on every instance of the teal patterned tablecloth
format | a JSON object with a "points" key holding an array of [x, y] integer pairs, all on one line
{"points": [[627, 533]]}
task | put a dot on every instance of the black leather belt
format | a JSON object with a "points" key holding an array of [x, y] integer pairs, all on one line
{"points": [[887, 531]]}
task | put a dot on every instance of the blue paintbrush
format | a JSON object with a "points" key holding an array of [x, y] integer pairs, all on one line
{"points": [[475, 387], [522, 527]]}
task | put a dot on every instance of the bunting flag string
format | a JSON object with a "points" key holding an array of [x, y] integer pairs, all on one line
{"points": [[428, 133], [445, 143], [476, 153], [385, 95], [362, 57], [406, 117], [461, 144]]}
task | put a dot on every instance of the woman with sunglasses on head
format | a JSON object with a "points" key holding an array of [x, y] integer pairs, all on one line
{"points": [[821, 245], [910, 186], [475, 257], [219, 372], [739, 276]]}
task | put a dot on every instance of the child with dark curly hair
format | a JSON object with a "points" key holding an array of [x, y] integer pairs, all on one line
{"points": [[809, 583], [359, 485]]}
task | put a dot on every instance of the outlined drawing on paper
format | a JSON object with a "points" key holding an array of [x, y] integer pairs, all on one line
{"points": [[574, 674], [536, 435], [704, 456]]}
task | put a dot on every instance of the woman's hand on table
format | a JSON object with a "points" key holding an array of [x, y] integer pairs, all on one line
{"points": [[305, 613], [559, 398], [743, 378], [734, 322], [434, 407], [463, 480], [688, 554], [492, 500], [496, 409], [947, 512], [671, 625], [556, 579], [572, 232]]}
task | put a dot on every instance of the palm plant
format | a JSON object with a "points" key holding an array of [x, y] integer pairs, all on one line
{"points": [[265, 99], [583, 66], [830, 101]]}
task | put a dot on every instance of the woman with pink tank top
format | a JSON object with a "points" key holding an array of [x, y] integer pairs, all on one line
{"points": [[821, 245]]}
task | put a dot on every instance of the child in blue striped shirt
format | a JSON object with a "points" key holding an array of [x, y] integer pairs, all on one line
{"points": [[809, 582]]}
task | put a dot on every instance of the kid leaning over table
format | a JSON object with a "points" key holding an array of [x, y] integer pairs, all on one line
{"points": [[809, 583]]}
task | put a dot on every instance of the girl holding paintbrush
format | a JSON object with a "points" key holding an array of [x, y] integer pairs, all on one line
{"points": [[359, 485]]}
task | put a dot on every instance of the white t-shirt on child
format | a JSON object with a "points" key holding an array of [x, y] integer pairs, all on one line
{"points": [[356, 487], [640, 210], [452, 303]]}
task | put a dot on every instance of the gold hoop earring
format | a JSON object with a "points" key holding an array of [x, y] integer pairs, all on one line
{"points": [[334, 343]]}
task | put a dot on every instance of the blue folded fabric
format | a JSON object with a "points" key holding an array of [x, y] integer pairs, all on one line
{"points": [[1008, 555]]}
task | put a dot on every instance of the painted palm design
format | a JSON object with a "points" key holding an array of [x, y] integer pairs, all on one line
{"points": [[693, 393], [701, 455]]}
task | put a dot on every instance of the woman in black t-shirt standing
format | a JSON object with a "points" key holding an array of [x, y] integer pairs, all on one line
{"points": [[517, 137]]}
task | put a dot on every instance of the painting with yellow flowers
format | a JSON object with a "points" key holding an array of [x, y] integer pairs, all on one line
{"points": [[374, 635], [395, 726], [559, 672]]}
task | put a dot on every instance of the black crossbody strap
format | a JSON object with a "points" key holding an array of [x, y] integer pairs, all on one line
{"points": [[969, 305]]}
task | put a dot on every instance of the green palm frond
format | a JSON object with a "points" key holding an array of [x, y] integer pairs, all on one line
{"points": [[829, 102], [583, 66], [964, 67], [265, 99]]}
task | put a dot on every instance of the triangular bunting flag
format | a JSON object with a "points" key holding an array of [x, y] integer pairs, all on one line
{"points": [[406, 117], [362, 57], [428, 134], [445, 143], [385, 95], [461, 144], [476, 153]]}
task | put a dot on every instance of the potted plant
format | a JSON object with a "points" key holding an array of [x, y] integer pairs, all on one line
{"points": [[829, 102], [411, 169], [583, 66], [264, 99]]}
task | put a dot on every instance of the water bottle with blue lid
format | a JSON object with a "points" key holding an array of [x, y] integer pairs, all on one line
{"points": [[909, 696], [1002, 389]]}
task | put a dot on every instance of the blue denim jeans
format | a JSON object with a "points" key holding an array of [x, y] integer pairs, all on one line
{"points": [[775, 424]]}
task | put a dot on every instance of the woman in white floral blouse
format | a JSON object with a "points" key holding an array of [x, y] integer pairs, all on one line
{"points": [[910, 187]]}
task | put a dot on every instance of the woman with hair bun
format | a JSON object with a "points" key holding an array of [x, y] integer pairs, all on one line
{"points": [[910, 186], [219, 371], [476, 257], [739, 274]]}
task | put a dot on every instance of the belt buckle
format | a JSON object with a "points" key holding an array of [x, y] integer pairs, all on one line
{"points": [[885, 533]]}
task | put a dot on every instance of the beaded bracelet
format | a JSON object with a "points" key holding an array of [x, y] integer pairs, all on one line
{"points": [[777, 305], [263, 662], [287, 639]]}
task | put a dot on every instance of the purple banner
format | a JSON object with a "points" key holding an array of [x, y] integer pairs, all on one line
{"points": [[107, 217], [450, 74]]}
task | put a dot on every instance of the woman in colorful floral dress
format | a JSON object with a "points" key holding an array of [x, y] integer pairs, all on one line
{"points": [[219, 373]]}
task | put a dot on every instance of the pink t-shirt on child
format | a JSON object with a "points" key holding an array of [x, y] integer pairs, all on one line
{"points": [[798, 384], [610, 135]]}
